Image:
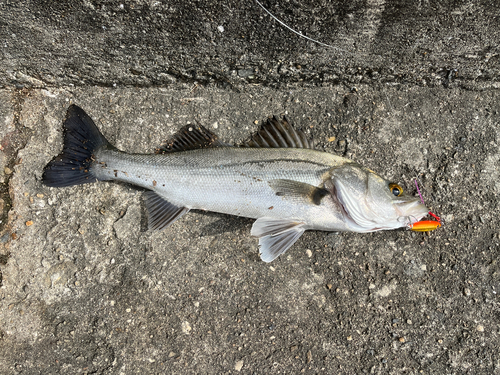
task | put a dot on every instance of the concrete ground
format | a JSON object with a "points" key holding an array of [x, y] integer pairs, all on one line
{"points": [[412, 89]]}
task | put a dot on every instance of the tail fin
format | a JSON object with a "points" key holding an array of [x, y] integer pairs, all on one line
{"points": [[81, 139]]}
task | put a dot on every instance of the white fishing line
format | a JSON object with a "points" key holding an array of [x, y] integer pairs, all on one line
{"points": [[298, 32]]}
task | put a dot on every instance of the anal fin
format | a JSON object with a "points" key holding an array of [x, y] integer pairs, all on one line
{"points": [[161, 213], [276, 236]]}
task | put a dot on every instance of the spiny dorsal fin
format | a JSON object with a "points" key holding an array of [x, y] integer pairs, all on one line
{"points": [[276, 133], [190, 137]]}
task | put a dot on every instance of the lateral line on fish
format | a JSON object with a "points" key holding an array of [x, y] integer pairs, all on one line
{"points": [[277, 160], [298, 32]]}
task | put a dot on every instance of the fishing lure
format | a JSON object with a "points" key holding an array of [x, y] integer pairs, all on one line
{"points": [[425, 225]]}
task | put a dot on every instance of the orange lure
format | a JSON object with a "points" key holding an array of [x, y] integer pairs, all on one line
{"points": [[425, 226]]}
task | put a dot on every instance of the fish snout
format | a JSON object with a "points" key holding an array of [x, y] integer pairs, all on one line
{"points": [[413, 209]]}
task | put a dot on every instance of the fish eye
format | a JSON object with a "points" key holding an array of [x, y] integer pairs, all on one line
{"points": [[396, 190]]}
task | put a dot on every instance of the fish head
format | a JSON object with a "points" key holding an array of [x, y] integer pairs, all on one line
{"points": [[370, 202]]}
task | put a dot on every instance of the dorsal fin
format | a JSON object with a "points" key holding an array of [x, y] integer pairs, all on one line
{"points": [[190, 137], [276, 133]]}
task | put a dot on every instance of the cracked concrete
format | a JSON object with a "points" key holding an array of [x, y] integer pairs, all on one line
{"points": [[86, 288]]}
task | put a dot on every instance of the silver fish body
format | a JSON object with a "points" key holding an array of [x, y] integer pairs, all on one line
{"points": [[287, 189], [234, 181]]}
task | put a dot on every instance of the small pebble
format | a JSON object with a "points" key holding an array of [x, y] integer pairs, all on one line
{"points": [[467, 292], [331, 139], [186, 327], [29, 223], [480, 328], [309, 253], [7, 170], [238, 365]]}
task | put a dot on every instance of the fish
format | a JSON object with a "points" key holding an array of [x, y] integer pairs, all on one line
{"points": [[275, 177]]}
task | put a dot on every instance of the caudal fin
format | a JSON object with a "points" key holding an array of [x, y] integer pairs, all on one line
{"points": [[81, 139]]}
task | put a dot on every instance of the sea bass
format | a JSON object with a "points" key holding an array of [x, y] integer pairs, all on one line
{"points": [[276, 177]]}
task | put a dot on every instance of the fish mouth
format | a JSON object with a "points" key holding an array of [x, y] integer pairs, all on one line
{"points": [[411, 211]]}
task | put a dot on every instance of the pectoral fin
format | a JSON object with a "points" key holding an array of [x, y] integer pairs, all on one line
{"points": [[160, 212], [298, 191], [276, 236]]}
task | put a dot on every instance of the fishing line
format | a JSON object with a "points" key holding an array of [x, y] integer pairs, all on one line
{"points": [[298, 32], [422, 200], [343, 50], [418, 191]]}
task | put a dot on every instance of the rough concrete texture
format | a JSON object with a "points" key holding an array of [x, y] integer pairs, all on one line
{"points": [[85, 288]]}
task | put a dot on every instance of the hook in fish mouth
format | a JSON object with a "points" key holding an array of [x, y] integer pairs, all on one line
{"points": [[410, 211], [407, 221]]}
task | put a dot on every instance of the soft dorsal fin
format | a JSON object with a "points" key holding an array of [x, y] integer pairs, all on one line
{"points": [[190, 137], [276, 133]]}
